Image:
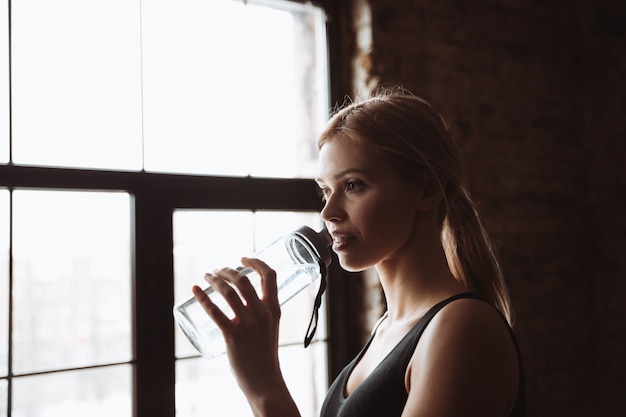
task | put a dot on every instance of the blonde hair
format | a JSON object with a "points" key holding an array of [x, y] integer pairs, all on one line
{"points": [[405, 131]]}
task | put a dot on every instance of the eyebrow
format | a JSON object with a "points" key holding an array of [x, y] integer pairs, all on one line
{"points": [[344, 173]]}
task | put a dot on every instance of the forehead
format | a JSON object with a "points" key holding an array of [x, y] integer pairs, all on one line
{"points": [[341, 155]]}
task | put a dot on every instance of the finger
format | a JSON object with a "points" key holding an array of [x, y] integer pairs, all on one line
{"points": [[220, 283], [241, 282], [268, 278], [210, 308]]}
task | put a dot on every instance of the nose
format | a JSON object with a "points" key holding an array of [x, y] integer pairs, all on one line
{"points": [[333, 211]]}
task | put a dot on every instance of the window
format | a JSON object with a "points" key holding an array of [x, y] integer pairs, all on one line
{"points": [[203, 241], [4, 298], [80, 79], [71, 301], [189, 86], [254, 85], [119, 151]]}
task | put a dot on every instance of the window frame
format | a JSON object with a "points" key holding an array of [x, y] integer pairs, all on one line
{"points": [[154, 197]]}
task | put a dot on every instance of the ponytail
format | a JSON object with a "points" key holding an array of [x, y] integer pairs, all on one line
{"points": [[471, 253]]}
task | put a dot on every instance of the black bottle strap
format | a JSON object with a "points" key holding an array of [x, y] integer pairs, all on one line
{"points": [[310, 332]]}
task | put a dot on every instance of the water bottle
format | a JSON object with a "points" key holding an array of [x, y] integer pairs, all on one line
{"points": [[299, 258]]}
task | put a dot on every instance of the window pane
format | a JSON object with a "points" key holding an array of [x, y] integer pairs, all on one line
{"points": [[4, 283], [205, 240], [76, 83], [4, 386], [4, 83], [207, 387], [289, 101], [72, 279], [232, 89], [100, 392], [305, 373]]}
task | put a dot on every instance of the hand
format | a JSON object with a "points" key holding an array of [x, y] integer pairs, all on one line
{"points": [[251, 336]]}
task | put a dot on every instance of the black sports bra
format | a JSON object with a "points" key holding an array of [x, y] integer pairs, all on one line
{"points": [[383, 392]]}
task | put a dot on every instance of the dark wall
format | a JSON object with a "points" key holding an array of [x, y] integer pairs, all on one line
{"points": [[604, 113], [536, 91]]}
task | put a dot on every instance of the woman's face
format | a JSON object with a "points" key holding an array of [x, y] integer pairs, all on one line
{"points": [[370, 210]]}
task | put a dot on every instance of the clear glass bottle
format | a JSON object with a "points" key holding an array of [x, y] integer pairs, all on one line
{"points": [[299, 258]]}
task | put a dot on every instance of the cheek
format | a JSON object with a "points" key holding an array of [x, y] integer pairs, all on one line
{"points": [[383, 224], [370, 216], [385, 216], [368, 219], [388, 225]]}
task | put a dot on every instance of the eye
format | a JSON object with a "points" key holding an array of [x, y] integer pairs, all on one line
{"points": [[323, 192], [354, 185]]}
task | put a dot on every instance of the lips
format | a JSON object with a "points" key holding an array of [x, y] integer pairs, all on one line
{"points": [[341, 240]]}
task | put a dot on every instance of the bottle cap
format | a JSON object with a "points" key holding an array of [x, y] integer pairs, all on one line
{"points": [[320, 241]]}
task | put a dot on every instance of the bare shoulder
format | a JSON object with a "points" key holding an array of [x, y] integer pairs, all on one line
{"points": [[473, 320], [465, 360]]}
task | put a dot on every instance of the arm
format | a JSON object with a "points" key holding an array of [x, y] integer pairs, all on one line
{"points": [[252, 337], [464, 365]]}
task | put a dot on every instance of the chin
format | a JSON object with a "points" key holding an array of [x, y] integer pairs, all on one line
{"points": [[351, 265]]}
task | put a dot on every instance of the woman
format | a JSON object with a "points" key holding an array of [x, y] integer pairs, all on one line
{"points": [[391, 179]]}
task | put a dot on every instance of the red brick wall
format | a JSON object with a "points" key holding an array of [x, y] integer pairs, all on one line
{"points": [[536, 91]]}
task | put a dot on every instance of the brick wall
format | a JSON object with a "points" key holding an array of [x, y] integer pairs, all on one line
{"points": [[536, 91]]}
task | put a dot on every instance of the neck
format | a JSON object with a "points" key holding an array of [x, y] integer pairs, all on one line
{"points": [[417, 277]]}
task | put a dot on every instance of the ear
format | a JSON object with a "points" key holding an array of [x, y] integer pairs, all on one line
{"points": [[431, 195]]}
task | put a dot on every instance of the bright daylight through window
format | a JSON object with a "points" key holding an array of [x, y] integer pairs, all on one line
{"points": [[192, 86], [140, 91]]}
